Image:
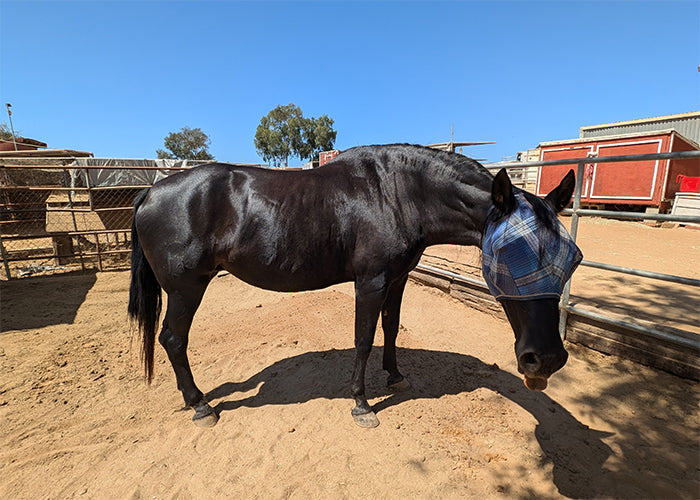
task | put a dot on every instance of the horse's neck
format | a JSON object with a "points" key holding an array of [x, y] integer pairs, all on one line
{"points": [[458, 215]]}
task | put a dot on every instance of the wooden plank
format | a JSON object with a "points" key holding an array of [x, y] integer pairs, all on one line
{"points": [[597, 339], [480, 299], [473, 295], [431, 279], [641, 339]]}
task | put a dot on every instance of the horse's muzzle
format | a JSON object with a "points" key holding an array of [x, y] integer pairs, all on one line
{"points": [[538, 367]]}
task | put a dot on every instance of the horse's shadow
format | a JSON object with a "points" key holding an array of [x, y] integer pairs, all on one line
{"points": [[576, 452]]}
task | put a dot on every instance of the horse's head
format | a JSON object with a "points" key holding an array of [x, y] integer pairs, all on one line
{"points": [[528, 256]]}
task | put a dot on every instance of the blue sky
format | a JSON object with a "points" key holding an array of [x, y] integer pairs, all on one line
{"points": [[115, 78]]}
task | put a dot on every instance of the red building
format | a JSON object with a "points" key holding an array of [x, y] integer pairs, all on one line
{"points": [[651, 183], [326, 156], [23, 144]]}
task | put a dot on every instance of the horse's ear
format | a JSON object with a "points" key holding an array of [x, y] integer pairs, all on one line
{"points": [[560, 196], [502, 192]]}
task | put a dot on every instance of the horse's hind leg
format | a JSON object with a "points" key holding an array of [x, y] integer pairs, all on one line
{"points": [[368, 302], [182, 305], [391, 312]]}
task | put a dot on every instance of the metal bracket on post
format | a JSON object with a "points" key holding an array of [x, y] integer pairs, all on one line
{"points": [[563, 315]]}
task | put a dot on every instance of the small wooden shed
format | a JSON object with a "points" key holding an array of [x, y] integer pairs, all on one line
{"points": [[651, 183]]}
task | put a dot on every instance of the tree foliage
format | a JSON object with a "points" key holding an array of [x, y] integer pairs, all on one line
{"points": [[187, 144], [5, 132], [285, 132]]}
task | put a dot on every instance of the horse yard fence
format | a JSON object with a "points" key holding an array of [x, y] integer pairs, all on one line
{"points": [[63, 214]]}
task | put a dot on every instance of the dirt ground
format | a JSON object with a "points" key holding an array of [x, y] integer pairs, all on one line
{"points": [[78, 421]]}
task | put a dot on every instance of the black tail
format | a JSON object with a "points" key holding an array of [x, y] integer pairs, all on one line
{"points": [[145, 300]]}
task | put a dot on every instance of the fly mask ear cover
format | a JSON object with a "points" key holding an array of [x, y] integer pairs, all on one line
{"points": [[514, 265]]}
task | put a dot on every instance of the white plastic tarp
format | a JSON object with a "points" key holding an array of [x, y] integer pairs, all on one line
{"points": [[121, 176]]}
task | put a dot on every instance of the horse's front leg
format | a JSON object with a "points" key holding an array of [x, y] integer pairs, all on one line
{"points": [[369, 297], [391, 312]]}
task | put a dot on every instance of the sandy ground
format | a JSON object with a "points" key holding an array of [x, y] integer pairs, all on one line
{"points": [[78, 420]]}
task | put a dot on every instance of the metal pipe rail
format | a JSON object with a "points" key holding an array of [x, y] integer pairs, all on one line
{"points": [[450, 274], [646, 274], [86, 167], [191, 164], [65, 233], [610, 214], [679, 155], [55, 256], [77, 189]]}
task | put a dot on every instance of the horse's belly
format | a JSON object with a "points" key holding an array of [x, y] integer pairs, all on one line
{"points": [[287, 280]]}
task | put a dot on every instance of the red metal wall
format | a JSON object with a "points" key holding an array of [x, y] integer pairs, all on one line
{"points": [[688, 168], [326, 156], [646, 183]]}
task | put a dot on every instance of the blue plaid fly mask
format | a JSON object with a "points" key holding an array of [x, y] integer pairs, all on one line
{"points": [[520, 261]]}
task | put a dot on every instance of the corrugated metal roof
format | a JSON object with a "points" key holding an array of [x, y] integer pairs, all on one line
{"points": [[44, 153], [687, 124], [619, 136]]}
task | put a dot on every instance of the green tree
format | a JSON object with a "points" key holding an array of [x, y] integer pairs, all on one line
{"points": [[320, 136], [5, 132], [285, 132], [187, 144]]}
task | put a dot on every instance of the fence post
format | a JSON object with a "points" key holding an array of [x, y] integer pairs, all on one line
{"points": [[75, 228], [563, 314], [99, 252], [4, 259]]}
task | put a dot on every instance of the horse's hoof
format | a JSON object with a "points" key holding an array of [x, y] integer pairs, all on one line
{"points": [[205, 416], [209, 420], [401, 385], [366, 420]]}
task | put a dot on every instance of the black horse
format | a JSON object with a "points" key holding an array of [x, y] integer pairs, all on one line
{"points": [[367, 216]]}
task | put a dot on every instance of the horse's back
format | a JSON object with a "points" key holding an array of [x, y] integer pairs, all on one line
{"points": [[290, 230], [276, 230]]}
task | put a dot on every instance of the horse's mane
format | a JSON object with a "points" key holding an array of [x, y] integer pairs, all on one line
{"points": [[451, 166]]}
